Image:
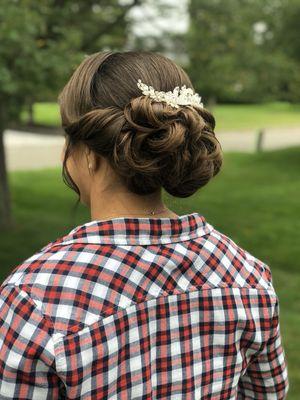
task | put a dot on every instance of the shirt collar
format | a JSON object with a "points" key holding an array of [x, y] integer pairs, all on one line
{"points": [[138, 231]]}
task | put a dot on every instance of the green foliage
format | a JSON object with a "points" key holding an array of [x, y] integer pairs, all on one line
{"points": [[43, 41], [237, 53], [288, 33], [31, 54]]}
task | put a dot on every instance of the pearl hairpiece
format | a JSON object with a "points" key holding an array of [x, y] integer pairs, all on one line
{"points": [[183, 96]]}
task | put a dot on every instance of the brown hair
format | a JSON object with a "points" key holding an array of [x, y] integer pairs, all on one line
{"points": [[149, 144]]}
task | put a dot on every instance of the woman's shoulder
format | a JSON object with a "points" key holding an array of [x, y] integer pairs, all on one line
{"points": [[33, 263], [239, 259]]}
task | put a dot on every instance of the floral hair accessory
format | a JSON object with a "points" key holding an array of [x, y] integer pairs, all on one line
{"points": [[179, 97]]}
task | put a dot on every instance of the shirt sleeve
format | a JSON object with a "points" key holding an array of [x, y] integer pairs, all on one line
{"points": [[27, 360], [266, 376]]}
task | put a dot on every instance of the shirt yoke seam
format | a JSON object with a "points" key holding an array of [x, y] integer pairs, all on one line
{"points": [[47, 316]]}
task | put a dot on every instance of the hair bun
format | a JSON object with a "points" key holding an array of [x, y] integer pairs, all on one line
{"points": [[148, 143], [162, 146]]}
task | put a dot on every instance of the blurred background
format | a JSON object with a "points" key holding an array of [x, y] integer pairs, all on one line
{"points": [[243, 57]]}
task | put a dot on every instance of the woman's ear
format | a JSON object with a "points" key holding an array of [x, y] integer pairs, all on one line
{"points": [[93, 160]]}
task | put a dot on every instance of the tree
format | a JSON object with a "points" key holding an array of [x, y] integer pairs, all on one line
{"points": [[233, 52], [287, 39]]}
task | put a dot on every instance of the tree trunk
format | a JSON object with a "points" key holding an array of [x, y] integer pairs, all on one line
{"points": [[5, 209], [211, 103]]}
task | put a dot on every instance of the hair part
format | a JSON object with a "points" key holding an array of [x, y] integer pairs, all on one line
{"points": [[149, 144]]}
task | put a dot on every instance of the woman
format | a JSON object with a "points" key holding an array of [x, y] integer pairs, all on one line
{"points": [[139, 302]]}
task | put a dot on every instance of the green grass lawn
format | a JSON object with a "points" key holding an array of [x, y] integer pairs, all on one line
{"points": [[238, 117], [241, 117], [254, 200]]}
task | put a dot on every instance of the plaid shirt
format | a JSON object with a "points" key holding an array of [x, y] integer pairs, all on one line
{"points": [[141, 308]]}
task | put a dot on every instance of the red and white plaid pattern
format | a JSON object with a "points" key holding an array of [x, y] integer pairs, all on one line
{"points": [[141, 308]]}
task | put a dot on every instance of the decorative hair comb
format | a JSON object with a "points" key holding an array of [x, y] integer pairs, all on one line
{"points": [[179, 97]]}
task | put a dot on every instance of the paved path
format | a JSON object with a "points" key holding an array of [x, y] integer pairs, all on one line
{"points": [[274, 138], [26, 150]]}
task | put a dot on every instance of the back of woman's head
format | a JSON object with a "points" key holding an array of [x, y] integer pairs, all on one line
{"points": [[149, 144]]}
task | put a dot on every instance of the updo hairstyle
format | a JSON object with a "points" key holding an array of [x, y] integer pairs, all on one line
{"points": [[149, 144]]}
